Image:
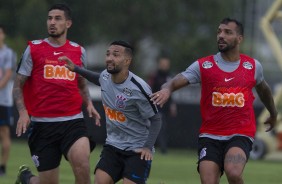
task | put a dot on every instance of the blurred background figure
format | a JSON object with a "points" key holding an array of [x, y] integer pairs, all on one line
{"points": [[169, 110], [7, 63]]}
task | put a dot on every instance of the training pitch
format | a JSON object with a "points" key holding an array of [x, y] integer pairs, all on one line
{"points": [[176, 167]]}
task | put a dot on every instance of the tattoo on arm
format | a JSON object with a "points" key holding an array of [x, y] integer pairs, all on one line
{"points": [[18, 91], [176, 83], [84, 91]]}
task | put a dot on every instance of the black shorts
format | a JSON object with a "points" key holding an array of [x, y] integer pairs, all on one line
{"points": [[124, 164], [215, 150], [48, 141], [6, 116]]}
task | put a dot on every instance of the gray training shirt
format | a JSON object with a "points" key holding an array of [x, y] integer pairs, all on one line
{"points": [[127, 109], [7, 61]]}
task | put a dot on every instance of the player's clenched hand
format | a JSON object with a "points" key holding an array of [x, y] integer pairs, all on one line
{"points": [[69, 64], [22, 123], [92, 112], [160, 97], [146, 153]]}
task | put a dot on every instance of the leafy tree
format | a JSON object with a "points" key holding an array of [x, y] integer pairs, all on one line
{"points": [[184, 29]]}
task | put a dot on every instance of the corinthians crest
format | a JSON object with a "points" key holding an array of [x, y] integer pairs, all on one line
{"points": [[247, 65], [120, 102], [207, 64]]}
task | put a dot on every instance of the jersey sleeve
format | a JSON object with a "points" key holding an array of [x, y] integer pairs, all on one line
{"points": [[89, 75], [9, 60], [145, 106], [83, 58], [192, 73], [25, 66], [258, 72]]}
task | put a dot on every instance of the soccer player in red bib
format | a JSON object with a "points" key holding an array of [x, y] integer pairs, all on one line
{"points": [[49, 99], [228, 120]]}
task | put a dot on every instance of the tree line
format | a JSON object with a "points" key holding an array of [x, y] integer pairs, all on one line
{"points": [[184, 29]]}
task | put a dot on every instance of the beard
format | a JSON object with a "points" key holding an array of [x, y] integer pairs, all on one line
{"points": [[56, 35], [223, 49], [227, 47], [113, 71]]}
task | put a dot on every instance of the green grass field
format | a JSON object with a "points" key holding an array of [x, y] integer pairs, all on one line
{"points": [[177, 167]]}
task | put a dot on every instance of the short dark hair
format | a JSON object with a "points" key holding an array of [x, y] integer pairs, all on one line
{"points": [[63, 7], [126, 45], [240, 27]]}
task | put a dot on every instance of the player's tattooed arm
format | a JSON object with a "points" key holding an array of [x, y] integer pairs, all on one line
{"points": [[84, 91], [24, 120], [265, 95], [18, 91], [92, 112]]}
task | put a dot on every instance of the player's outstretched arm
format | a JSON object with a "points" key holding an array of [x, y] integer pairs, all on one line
{"points": [[69, 64], [89, 75], [162, 96], [265, 95]]}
